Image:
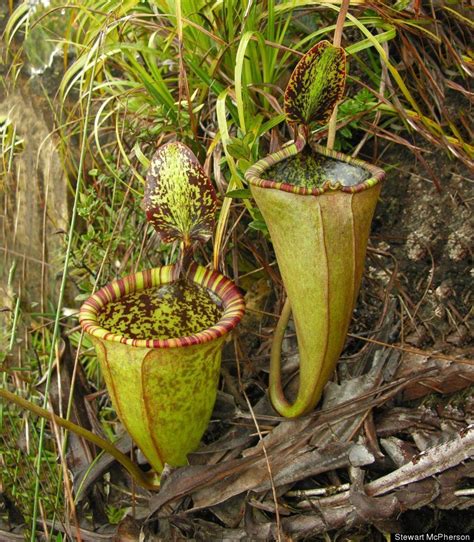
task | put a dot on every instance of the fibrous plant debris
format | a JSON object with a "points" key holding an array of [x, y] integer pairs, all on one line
{"points": [[417, 276]]}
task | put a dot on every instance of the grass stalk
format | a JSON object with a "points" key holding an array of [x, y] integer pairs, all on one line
{"points": [[62, 290], [337, 43]]}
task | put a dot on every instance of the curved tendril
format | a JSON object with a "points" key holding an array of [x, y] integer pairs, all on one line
{"points": [[142, 478]]}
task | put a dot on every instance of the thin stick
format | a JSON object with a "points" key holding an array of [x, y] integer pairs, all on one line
{"points": [[269, 468], [138, 474], [427, 353], [337, 43]]}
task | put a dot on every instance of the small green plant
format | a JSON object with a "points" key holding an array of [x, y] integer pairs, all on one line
{"points": [[115, 514], [350, 112]]}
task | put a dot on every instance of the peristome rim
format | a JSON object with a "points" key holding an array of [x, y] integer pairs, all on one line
{"points": [[224, 288], [253, 174]]}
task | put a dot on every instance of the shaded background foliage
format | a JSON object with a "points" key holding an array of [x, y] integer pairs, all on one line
{"points": [[114, 80]]}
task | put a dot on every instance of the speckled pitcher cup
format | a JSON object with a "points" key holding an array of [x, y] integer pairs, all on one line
{"points": [[159, 342]]}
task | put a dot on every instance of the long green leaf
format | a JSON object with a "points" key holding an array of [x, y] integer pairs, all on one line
{"points": [[239, 64]]}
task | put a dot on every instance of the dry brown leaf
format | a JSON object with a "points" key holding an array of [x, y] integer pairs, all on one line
{"points": [[453, 376]]}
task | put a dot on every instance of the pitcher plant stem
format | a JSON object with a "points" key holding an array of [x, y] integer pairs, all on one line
{"points": [[276, 389], [138, 475]]}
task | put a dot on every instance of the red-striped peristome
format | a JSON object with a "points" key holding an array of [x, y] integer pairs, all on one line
{"points": [[254, 173], [233, 305]]}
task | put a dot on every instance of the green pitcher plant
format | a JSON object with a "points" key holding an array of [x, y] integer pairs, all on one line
{"points": [[318, 205], [159, 333]]}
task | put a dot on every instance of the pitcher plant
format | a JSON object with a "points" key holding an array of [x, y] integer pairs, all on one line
{"points": [[318, 205], [159, 333]]}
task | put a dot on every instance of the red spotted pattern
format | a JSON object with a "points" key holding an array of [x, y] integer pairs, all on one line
{"points": [[232, 302]]}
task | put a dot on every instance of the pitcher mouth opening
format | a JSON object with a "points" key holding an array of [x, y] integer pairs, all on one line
{"points": [[265, 174], [218, 307]]}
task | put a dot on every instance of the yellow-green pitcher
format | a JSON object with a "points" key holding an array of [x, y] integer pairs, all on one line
{"points": [[159, 341]]}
